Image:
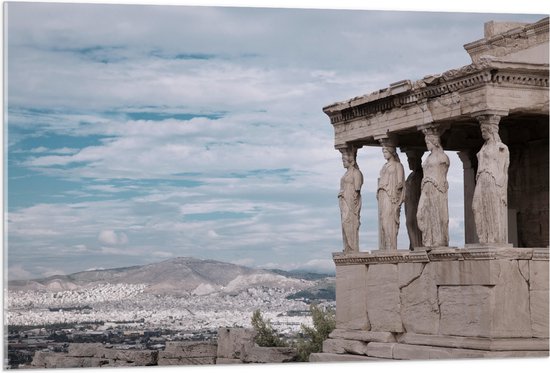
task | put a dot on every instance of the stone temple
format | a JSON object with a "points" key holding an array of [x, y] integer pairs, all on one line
{"points": [[432, 301]]}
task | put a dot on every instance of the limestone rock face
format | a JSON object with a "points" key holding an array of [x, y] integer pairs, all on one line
{"points": [[419, 303], [84, 349], [190, 349], [407, 272], [345, 346], [365, 336], [538, 292], [330, 358], [232, 342], [131, 357], [270, 355], [188, 353], [351, 301], [511, 316], [539, 313], [466, 310], [383, 302]]}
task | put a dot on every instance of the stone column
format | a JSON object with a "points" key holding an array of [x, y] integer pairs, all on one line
{"points": [[469, 165], [349, 199], [413, 186], [433, 206], [390, 195], [490, 200]]}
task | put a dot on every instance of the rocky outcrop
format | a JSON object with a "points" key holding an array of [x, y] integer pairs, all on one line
{"points": [[234, 346]]}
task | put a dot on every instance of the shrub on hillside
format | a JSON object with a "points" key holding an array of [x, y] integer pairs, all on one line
{"points": [[266, 336]]}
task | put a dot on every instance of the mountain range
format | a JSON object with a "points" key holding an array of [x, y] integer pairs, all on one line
{"points": [[183, 275]]}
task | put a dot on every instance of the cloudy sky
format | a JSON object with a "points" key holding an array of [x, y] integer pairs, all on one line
{"points": [[138, 133]]}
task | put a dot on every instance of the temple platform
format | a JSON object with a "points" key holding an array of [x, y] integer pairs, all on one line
{"points": [[441, 303]]}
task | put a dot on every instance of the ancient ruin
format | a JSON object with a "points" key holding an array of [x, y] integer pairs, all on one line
{"points": [[489, 298]]}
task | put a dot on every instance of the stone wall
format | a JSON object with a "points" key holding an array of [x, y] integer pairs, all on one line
{"points": [[234, 346], [529, 181], [446, 303]]}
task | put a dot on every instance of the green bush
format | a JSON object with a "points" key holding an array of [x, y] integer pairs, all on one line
{"points": [[324, 322], [266, 336]]}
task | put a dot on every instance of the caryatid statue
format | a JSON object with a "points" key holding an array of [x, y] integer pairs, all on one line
{"points": [[433, 209], [349, 199], [490, 201], [390, 196], [413, 186]]}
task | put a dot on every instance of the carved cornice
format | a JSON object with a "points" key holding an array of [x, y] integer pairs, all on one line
{"points": [[476, 75], [439, 254], [540, 254]]}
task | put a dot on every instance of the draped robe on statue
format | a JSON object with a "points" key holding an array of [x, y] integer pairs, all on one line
{"points": [[490, 195], [433, 210], [350, 207], [390, 195]]}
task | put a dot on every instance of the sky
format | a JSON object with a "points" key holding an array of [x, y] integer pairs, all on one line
{"points": [[137, 133]]}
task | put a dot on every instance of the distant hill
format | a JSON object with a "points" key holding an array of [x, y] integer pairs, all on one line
{"points": [[176, 276]]}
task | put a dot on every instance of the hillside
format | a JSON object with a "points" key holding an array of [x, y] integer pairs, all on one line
{"points": [[175, 276]]}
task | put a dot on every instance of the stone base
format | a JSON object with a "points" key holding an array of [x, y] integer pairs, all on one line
{"points": [[334, 358], [410, 346], [442, 303]]}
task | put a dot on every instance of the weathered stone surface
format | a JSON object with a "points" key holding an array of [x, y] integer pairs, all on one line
{"points": [[419, 303], [186, 360], [511, 316], [223, 360], [498, 354], [539, 313], [328, 358], [351, 301], [232, 342], [137, 357], [524, 269], [407, 272], [538, 272], [360, 335], [466, 310], [344, 346], [189, 349], [466, 272], [382, 350], [269, 355], [40, 357], [84, 349], [383, 303], [411, 352], [498, 344], [60, 360]]}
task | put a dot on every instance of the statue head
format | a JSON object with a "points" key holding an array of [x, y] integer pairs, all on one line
{"points": [[489, 131], [389, 152], [349, 156], [432, 138]]}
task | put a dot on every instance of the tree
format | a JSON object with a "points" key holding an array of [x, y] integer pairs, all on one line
{"points": [[324, 322], [266, 336]]}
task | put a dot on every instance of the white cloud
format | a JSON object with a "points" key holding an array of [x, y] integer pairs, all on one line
{"points": [[212, 234], [110, 237]]}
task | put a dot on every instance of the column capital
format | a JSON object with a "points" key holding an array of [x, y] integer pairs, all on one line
{"points": [[387, 139], [489, 116], [433, 128]]}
